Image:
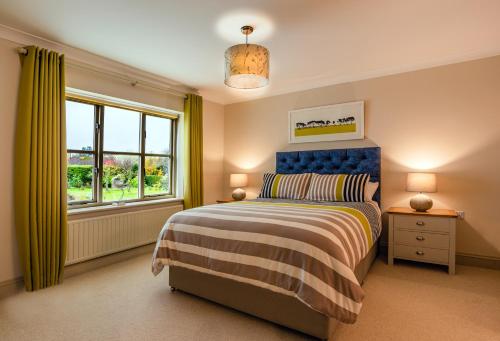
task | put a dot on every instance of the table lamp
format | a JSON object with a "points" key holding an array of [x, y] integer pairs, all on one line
{"points": [[238, 181], [422, 183]]}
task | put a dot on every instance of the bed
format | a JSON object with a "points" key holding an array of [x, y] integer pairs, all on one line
{"points": [[296, 263]]}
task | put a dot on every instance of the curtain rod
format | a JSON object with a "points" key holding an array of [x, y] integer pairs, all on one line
{"points": [[132, 82]]}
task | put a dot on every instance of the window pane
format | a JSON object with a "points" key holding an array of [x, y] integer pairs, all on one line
{"points": [[80, 177], [121, 130], [158, 131], [157, 179], [120, 177], [79, 126]]}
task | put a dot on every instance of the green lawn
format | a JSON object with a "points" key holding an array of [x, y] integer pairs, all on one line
{"points": [[112, 194]]}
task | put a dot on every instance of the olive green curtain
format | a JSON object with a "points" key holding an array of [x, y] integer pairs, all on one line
{"points": [[193, 151], [40, 168]]}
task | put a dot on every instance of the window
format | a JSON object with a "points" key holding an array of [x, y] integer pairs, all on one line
{"points": [[118, 154]]}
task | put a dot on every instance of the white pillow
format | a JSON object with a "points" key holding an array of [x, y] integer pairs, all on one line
{"points": [[370, 189]]}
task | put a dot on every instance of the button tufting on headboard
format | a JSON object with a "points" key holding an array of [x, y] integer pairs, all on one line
{"points": [[332, 161]]}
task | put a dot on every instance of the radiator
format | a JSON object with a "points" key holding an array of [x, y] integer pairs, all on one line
{"points": [[94, 237]]}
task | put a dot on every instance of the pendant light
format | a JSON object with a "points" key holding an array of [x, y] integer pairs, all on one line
{"points": [[247, 65]]}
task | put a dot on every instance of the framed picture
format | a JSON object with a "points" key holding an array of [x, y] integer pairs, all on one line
{"points": [[345, 121]]}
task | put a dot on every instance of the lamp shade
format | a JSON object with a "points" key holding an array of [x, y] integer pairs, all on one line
{"points": [[421, 182], [238, 180], [247, 66]]}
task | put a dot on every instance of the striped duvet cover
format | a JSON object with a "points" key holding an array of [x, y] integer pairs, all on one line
{"points": [[307, 250]]}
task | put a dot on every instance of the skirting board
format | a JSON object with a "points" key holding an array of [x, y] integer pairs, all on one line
{"points": [[12, 286], [479, 261], [464, 259], [15, 285]]}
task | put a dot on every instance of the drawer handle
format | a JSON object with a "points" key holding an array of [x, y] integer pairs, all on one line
{"points": [[420, 253], [420, 223], [420, 238]]}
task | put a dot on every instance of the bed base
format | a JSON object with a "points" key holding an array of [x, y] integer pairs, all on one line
{"points": [[268, 305]]}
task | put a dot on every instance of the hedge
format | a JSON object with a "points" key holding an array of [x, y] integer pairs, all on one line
{"points": [[80, 175], [151, 180]]}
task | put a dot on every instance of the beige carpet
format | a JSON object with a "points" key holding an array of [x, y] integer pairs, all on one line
{"points": [[125, 302]]}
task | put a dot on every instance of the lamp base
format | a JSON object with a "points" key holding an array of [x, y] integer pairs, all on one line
{"points": [[421, 203], [239, 194]]}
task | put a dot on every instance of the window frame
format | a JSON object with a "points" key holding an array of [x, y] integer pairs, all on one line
{"points": [[99, 152]]}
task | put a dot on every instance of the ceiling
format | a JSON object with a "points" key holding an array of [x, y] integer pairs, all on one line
{"points": [[312, 43]]}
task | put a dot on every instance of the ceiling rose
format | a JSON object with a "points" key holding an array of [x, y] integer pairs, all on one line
{"points": [[247, 65]]}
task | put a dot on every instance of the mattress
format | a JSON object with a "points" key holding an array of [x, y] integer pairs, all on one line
{"points": [[307, 250]]}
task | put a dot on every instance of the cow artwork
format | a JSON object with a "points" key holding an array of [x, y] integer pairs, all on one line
{"points": [[327, 123], [336, 122]]}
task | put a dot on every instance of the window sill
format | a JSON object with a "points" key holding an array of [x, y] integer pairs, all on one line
{"points": [[110, 209]]}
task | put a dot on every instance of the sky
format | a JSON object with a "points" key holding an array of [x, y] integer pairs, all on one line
{"points": [[121, 129]]}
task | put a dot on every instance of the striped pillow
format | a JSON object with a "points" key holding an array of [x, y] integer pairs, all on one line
{"points": [[337, 187], [285, 186]]}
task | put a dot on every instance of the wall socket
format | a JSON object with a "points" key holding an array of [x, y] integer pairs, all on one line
{"points": [[461, 214]]}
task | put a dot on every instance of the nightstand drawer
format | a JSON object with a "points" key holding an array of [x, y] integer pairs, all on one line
{"points": [[422, 239], [421, 254], [422, 223]]}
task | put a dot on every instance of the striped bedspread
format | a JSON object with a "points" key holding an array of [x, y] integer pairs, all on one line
{"points": [[303, 249]]}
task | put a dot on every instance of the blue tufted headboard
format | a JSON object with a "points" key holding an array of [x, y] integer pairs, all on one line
{"points": [[332, 161]]}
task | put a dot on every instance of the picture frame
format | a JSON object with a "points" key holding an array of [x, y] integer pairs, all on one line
{"points": [[337, 122]]}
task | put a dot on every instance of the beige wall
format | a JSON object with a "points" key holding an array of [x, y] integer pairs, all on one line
{"points": [[106, 85], [213, 151], [9, 81], [444, 119], [99, 83]]}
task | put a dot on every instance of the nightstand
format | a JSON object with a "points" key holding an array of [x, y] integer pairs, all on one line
{"points": [[223, 201], [423, 236]]}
